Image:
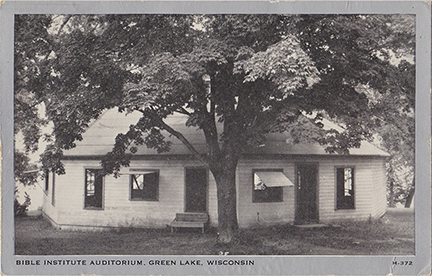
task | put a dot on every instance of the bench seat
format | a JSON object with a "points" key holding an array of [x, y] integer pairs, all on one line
{"points": [[190, 224], [190, 220]]}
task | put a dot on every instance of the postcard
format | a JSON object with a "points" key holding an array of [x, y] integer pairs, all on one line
{"points": [[225, 138]]}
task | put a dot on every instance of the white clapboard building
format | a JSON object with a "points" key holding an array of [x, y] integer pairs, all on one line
{"points": [[277, 183]]}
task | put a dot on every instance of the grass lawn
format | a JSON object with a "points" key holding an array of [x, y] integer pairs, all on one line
{"points": [[393, 234]]}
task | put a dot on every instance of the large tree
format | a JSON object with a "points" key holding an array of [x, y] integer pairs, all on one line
{"points": [[346, 47], [253, 74]]}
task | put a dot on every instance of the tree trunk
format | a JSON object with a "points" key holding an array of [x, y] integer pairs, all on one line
{"points": [[410, 195], [391, 199], [409, 198], [227, 201]]}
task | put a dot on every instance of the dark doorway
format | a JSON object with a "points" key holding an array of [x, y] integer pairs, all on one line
{"points": [[306, 186], [196, 190]]}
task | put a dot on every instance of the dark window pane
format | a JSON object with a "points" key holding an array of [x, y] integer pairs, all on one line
{"points": [[93, 188], [345, 188], [46, 175], [145, 186], [262, 193], [53, 190]]}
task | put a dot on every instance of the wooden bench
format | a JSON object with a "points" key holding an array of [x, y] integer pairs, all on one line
{"points": [[190, 220]]}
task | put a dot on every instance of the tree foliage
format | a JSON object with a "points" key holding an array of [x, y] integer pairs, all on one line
{"points": [[24, 171], [254, 74], [371, 55]]}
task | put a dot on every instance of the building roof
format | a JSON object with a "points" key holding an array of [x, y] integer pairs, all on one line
{"points": [[99, 140]]}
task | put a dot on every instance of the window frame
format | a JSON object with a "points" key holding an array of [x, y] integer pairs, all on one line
{"points": [[53, 189], [46, 179], [347, 202], [102, 188], [133, 173], [257, 198]]}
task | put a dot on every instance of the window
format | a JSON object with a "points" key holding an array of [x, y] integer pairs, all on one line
{"points": [[46, 177], [93, 188], [144, 185], [270, 188], [345, 188], [53, 190]]}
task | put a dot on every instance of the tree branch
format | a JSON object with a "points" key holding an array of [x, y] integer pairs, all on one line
{"points": [[208, 125], [68, 17], [183, 111], [210, 132], [159, 122], [211, 99]]}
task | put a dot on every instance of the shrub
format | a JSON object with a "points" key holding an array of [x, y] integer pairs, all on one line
{"points": [[20, 209]]}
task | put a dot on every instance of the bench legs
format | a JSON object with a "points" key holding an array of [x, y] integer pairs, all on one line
{"points": [[173, 229]]}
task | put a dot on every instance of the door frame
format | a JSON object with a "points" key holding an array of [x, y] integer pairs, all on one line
{"points": [[296, 213], [206, 188], [85, 190]]}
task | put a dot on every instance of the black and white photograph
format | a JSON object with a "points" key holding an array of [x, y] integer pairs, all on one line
{"points": [[220, 135]]}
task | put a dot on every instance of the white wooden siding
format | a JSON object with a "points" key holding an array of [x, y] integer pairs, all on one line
{"points": [[366, 184], [369, 185], [48, 209], [380, 186], [263, 213], [119, 210]]}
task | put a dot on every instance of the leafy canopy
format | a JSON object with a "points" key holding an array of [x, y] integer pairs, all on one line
{"points": [[254, 74]]}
